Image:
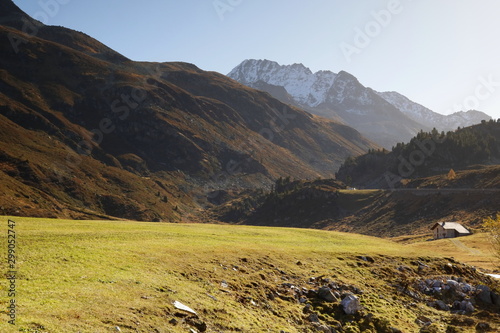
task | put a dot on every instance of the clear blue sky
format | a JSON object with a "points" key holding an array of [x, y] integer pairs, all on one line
{"points": [[443, 54]]}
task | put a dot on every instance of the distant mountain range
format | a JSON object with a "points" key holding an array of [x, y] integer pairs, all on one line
{"points": [[85, 132], [386, 118]]}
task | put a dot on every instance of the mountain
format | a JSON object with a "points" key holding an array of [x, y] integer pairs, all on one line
{"points": [[427, 154], [431, 119], [386, 118], [86, 132]]}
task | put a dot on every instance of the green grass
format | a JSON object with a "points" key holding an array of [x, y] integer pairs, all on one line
{"points": [[90, 276]]}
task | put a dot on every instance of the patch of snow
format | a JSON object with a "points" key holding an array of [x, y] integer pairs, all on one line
{"points": [[430, 118], [304, 86]]}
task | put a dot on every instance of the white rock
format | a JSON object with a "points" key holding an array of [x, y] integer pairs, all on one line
{"points": [[180, 306]]}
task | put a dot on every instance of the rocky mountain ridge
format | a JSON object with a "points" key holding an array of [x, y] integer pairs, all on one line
{"points": [[433, 119], [386, 118]]}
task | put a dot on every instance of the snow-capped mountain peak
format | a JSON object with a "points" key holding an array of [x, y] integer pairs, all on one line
{"points": [[430, 118], [384, 117], [300, 82]]}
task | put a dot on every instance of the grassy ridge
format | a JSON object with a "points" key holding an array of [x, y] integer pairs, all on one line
{"points": [[91, 276]]}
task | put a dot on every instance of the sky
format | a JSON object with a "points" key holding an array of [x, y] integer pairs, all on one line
{"points": [[443, 54]]}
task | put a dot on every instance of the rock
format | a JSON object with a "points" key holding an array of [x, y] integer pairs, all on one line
{"points": [[419, 322], [307, 309], [466, 288], [448, 268], [440, 305], [425, 320], [483, 327], [457, 305], [484, 294], [469, 307], [323, 328], [350, 304], [422, 267], [495, 298], [366, 258], [453, 284], [326, 294], [403, 268], [313, 318], [173, 321], [197, 323], [180, 306]]}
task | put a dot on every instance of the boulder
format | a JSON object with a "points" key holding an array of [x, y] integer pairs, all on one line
{"points": [[442, 305], [313, 318], [326, 294], [351, 305], [484, 294], [495, 298], [469, 307]]}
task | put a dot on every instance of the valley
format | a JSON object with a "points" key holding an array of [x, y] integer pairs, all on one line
{"points": [[160, 197]]}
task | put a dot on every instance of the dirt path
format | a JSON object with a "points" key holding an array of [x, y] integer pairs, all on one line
{"points": [[461, 245]]}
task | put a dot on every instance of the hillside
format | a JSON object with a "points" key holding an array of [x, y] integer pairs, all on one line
{"points": [[88, 133], [101, 276], [325, 204], [427, 154]]}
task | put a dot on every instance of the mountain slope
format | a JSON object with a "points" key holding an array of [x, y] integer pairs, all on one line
{"points": [[326, 204], [427, 154], [87, 132], [386, 118], [431, 119], [336, 96]]}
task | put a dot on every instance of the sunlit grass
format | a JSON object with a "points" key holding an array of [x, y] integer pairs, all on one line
{"points": [[90, 276]]}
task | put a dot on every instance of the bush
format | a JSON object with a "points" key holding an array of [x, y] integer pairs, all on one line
{"points": [[492, 225]]}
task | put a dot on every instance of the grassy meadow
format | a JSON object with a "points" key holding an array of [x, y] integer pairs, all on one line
{"points": [[94, 276]]}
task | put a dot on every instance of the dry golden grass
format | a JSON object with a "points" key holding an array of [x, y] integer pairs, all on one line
{"points": [[475, 250]]}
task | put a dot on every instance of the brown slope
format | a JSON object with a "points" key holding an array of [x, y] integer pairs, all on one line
{"points": [[325, 204], [104, 135]]}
